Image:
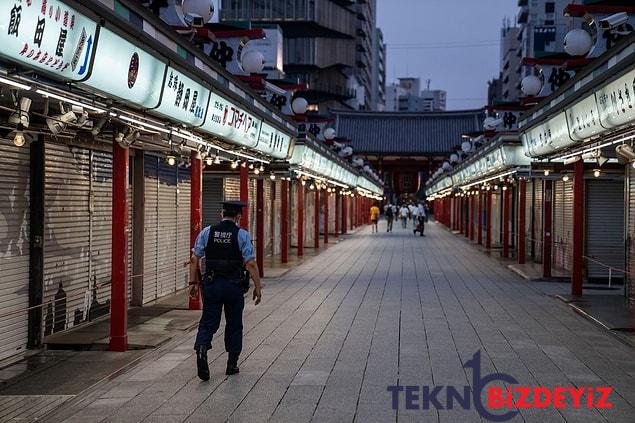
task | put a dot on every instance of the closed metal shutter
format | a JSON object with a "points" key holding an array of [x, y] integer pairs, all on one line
{"points": [[563, 224], [212, 197], [309, 217], [14, 247], [604, 227], [183, 226], [538, 219], [77, 241], [151, 222], [630, 233], [496, 219], [231, 188], [166, 230], [252, 210], [293, 213], [332, 216], [275, 216], [268, 215]]}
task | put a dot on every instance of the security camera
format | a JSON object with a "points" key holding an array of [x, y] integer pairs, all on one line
{"points": [[613, 21], [21, 116], [625, 152], [194, 21]]}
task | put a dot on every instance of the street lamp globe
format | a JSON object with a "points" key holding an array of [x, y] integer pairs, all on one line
{"points": [[202, 8], [299, 105], [531, 85], [577, 42], [253, 61], [329, 134], [466, 146]]}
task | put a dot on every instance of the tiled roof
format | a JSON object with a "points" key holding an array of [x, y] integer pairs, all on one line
{"points": [[411, 133]]}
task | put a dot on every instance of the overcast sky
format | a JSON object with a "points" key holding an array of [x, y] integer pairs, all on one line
{"points": [[454, 43]]}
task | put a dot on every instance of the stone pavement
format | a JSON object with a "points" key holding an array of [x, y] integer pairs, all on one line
{"points": [[376, 310]]}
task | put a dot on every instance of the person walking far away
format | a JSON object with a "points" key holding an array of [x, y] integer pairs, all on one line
{"points": [[390, 216], [421, 220], [228, 252], [404, 213], [374, 217]]}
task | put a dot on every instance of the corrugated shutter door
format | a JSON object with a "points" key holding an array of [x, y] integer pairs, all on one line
{"points": [[14, 247], [212, 197], [630, 292], [183, 227], [293, 213], [167, 236], [496, 218], [605, 227], [231, 188], [332, 216], [309, 217], [267, 218], [101, 234], [563, 224], [538, 219], [77, 241], [151, 209]]}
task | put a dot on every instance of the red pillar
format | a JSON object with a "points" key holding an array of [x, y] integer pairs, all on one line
{"points": [[326, 216], [244, 197], [546, 228], [505, 220], [300, 223], [260, 225], [472, 217], [488, 219], [196, 214], [119, 250], [284, 222], [578, 228], [461, 215], [338, 198], [479, 236], [316, 220], [522, 201]]}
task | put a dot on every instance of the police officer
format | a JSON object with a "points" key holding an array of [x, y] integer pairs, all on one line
{"points": [[226, 248]]}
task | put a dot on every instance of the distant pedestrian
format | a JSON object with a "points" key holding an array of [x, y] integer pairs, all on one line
{"points": [[374, 217], [403, 214], [421, 220], [390, 216]]}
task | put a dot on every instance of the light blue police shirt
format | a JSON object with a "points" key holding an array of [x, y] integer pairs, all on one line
{"points": [[244, 243]]}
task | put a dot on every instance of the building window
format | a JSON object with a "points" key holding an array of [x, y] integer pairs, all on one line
{"points": [[550, 7]]}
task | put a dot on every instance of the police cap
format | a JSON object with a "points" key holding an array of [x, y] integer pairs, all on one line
{"points": [[233, 206]]}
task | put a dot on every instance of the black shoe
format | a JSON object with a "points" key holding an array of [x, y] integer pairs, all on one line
{"points": [[232, 364], [201, 362]]}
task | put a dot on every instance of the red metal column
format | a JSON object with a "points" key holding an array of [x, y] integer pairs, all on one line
{"points": [[546, 228], [461, 215], [300, 222], [505, 220], [196, 214], [244, 196], [344, 213], [479, 236], [338, 198], [578, 228], [522, 201], [284, 222], [260, 225], [472, 217], [326, 216], [119, 250], [316, 220], [488, 219]]}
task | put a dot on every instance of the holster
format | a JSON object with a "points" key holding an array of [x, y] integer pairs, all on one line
{"points": [[244, 280], [208, 277]]}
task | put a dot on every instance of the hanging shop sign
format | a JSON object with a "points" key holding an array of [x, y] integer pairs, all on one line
{"points": [[125, 71], [227, 120], [273, 142], [503, 157], [47, 35], [547, 137], [616, 101], [583, 119], [183, 99]]}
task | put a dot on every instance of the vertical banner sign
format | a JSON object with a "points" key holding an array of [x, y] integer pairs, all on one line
{"points": [[47, 35], [183, 99], [123, 70], [227, 120]]}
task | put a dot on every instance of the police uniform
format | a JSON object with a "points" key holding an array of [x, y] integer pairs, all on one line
{"points": [[226, 248]]}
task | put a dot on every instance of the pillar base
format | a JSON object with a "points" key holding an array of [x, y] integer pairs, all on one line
{"points": [[118, 343]]}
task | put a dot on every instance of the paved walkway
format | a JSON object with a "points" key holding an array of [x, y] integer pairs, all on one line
{"points": [[373, 311]]}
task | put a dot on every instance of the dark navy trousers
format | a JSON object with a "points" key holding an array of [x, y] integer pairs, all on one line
{"points": [[222, 294]]}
